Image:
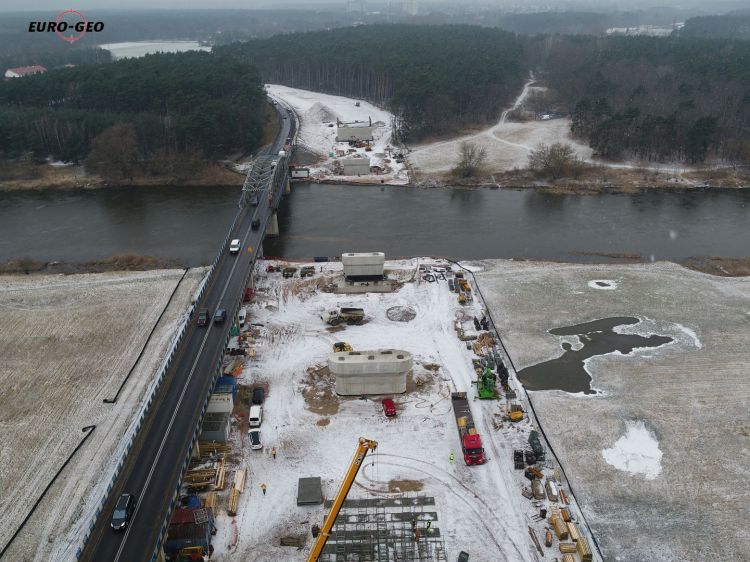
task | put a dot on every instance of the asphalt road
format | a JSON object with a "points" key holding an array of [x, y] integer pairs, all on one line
{"points": [[152, 469]]}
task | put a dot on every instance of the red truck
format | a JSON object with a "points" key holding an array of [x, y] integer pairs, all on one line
{"points": [[471, 442]]}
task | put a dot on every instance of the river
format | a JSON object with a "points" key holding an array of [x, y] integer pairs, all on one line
{"points": [[325, 220]]}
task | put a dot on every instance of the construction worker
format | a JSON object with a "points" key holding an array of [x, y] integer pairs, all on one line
{"points": [[263, 487], [273, 452], [452, 457], [429, 524]]}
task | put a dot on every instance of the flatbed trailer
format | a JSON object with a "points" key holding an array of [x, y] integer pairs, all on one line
{"points": [[471, 442]]}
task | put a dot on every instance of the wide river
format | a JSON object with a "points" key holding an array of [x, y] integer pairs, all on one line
{"points": [[325, 220]]}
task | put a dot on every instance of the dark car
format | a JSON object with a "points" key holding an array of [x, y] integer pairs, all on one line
{"points": [[259, 395], [463, 556], [220, 316], [254, 201], [203, 316], [255, 224], [123, 512], [389, 408]]}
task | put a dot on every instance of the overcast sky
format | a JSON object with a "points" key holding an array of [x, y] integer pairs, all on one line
{"points": [[56, 6]]}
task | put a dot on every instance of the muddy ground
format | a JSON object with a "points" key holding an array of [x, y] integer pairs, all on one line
{"points": [[691, 395]]}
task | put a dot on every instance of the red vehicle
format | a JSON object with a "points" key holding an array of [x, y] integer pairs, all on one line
{"points": [[471, 442], [247, 297], [389, 408]]}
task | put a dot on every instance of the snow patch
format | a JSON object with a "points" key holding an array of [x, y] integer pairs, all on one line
{"points": [[696, 342], [636, 452]]}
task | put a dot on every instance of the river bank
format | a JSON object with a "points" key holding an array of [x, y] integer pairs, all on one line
{"points": [[32, 176]]}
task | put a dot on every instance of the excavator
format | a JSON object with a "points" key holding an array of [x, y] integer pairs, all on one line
{"points": [[363, 447]]}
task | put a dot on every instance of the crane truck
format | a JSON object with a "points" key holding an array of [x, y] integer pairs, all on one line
{"points": [[471, 442], [363, 447]]}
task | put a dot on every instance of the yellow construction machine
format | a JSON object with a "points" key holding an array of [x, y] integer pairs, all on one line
{"points": [[363, 446], [342, 346]]}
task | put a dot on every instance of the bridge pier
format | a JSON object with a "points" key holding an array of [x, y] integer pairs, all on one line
{"points": [[273, 225]]}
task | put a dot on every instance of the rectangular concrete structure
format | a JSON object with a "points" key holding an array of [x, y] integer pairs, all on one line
{"points": [[354, 131], [370, 372], [363, 264], [215, 427], [309, 491]]}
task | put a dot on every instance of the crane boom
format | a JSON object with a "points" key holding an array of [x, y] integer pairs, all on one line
{"points": [[363, 446]]}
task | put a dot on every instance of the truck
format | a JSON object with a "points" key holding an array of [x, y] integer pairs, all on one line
{"points": [[348, 315], [471, 442]]}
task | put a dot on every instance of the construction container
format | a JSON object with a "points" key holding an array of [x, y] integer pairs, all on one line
{"points": [[575, 534], [537, 489], [584, 550], [565, 513], [568, 558], [551, 490], [567, 547], [559, 526]]}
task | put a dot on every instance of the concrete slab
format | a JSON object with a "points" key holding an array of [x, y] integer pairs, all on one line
{"points": [[309, 491]]}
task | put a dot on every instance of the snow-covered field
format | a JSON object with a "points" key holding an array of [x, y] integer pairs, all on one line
{"points": [[67, 343], [318, 114], [507, 144], [480, 508], [663, 448]]}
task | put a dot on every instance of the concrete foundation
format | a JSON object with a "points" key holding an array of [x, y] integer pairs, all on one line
{"points": [[349, 288], [273, 225]]}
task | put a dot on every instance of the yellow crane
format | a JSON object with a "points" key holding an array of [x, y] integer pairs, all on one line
{"points": [[363, 446]]}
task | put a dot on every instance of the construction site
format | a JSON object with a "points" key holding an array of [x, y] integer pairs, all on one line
{"points": [[383, 425]]}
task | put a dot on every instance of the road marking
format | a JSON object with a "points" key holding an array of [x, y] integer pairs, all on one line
{"points": [[176, 410]]}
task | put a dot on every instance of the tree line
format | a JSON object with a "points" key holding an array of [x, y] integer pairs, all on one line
{"points": [[653, 98], [434, 79], [192, 103]]}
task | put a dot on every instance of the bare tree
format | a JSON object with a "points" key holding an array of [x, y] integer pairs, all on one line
{"points": [[471, 158], [114, 152], [556, 160]]}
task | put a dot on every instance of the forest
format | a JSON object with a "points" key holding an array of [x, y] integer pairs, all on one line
{"points": [[653, 98], [161, 106], [734, 26], [434, 79]]}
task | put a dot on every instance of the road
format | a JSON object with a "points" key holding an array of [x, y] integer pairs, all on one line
{"points": [[153, 466]]}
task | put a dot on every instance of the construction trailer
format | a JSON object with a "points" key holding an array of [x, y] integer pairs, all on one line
{"points": [[370, 372]]}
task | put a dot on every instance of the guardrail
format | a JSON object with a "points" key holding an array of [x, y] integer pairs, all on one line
{"points": [[167, 363], [156, 385]]}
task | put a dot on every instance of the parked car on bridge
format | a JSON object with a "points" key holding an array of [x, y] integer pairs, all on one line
{"points": [[123, 512], [220, 316], [254, 201], [234, 246], [255, 440], [255, 225], [203, 316]]}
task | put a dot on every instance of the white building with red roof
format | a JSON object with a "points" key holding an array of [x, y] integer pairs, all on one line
{"points": [[24, 71]]}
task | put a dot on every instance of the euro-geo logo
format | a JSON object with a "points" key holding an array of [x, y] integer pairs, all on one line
{"points": [[70, 26]]}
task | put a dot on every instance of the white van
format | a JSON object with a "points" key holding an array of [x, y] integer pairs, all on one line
{"points": [[241, 316], [256, 416]]}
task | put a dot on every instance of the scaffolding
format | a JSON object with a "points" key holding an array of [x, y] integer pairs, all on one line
{"points": [[394, 529]]}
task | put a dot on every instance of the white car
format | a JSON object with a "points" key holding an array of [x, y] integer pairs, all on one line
{"points": [[234, 246], [255, 440], [241, 316]]}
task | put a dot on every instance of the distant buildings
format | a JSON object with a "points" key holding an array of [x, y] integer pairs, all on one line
{"points": [[24, 71]]}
